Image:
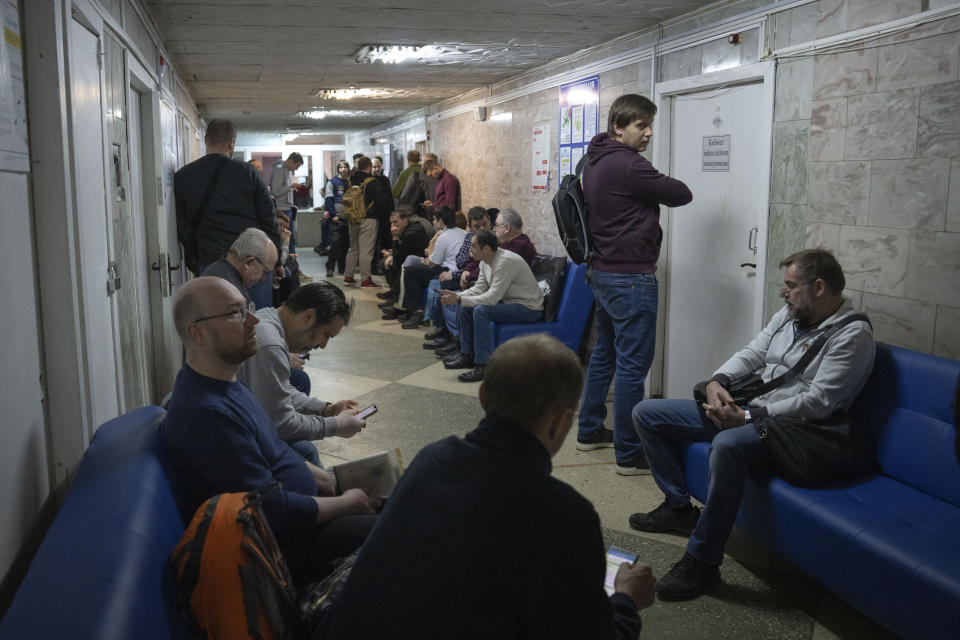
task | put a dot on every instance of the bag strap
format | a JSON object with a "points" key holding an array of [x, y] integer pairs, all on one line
{"points": [[202, 209], [581, 166], [809, 354]]}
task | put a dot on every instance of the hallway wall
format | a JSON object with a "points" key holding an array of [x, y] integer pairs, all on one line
{"points": [[866, 147]]}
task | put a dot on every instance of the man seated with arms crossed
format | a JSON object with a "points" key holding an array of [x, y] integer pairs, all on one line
{"points": [[221, 440], [498, 548], [813, 288], [506, 291], [308, 319]]}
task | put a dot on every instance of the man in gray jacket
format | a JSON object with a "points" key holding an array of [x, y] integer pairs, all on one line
{"points": [[813, 288], [308, 319]]}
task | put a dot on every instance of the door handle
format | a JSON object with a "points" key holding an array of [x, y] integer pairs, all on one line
{"points": [[752, 239], [748, 264]]}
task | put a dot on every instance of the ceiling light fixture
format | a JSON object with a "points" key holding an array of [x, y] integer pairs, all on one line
{"points": [[345, 94], [392, 53], [316, 114]]}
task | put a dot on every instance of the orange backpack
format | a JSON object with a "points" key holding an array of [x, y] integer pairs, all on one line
{"points": [[232, 581]]}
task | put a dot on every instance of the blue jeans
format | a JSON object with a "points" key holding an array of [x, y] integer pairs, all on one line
{"points": [[433, 309], [663, 425], [626, 324], [476, 334], [307, 450], [300, 380]]}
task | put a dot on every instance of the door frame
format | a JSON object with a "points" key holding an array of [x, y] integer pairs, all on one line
{"points": [[663, 95]]}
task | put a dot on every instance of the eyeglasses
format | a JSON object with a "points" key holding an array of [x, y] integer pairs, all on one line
{"points": [[265, 268], [240, 313], [791, 287]]}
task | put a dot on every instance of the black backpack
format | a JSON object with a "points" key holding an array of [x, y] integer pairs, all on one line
{"points": [[572, 219]]}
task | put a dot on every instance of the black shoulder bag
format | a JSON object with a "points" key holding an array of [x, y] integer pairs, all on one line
{"points": [[809, 453], [192, 257]]}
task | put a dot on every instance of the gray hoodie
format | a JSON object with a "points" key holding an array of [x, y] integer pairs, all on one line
{"points": [[296, 415], [830, 382]]}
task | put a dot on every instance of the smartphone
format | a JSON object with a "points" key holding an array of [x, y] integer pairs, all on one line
{"points": [[615, 557], [366, 413]]}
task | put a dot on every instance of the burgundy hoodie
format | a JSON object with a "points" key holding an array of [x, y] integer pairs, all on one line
{"points": [[623, 193]]}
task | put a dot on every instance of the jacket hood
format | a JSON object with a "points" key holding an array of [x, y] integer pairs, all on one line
{"points": [[603, 145]]}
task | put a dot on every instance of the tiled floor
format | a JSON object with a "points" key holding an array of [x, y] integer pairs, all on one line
{"points": [[376, 361]]}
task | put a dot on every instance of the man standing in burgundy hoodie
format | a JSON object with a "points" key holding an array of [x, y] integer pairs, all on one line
{"points": [[623, 193]]}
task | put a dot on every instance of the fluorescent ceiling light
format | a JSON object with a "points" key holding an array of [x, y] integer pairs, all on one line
{"points": [[316, 114], [346, 94], [393, 54]]}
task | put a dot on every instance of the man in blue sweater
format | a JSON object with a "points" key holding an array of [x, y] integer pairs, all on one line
{"points": [[222, 440], [623, 193]]}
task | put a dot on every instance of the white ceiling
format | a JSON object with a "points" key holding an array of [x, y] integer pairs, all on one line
{"points": [[259, 63]]}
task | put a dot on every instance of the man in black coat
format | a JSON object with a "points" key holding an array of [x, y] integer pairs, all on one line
{"points": [[409, 239], [479, 541]]}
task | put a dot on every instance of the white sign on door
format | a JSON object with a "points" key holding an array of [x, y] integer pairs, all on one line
{"points": [[716, 153]]}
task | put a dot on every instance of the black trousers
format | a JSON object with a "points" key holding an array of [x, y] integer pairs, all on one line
{"points": [[416, 278], [339, 245], [392, 274], [309, 552]]}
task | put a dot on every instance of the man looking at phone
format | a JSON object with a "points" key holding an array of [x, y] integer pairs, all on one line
{"points": [[308, 319], [221, 440], [479, 541]]}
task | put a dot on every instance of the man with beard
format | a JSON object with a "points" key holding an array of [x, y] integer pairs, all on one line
{"points": [[813, 291], [307, 320], [222, 441]]}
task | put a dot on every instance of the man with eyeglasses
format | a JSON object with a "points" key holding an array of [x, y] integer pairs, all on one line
{"points": [[245, 264], [221, 439], [814, 305]]}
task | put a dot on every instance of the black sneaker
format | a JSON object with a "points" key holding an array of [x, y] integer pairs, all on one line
{"points": [[636, 467], [687, 579], [603, 440], [666, 519], [436, 334]]}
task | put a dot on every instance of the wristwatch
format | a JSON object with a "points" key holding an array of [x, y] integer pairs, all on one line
{"points": [[746, 416]]}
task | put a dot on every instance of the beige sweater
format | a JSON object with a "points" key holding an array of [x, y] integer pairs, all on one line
{"points": [[509, 281]]}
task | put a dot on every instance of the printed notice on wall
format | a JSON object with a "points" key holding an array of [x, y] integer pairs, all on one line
{"points": [[541, 157], [579, 103], [14, 155], [716, 153]]}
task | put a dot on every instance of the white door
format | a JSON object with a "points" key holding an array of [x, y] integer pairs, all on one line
{"points": [[141, 280], [92, 228], [714, 295]]}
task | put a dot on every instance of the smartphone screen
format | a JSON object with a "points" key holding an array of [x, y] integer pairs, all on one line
{"points": [[615, 557], [369, 411]]}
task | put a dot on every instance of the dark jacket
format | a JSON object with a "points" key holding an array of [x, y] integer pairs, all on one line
{"points": [[479, 541], [623, 193], [411, 242], [239, 201]]}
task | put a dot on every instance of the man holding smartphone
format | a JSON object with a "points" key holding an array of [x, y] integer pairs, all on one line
{"points": [[478, 540], [312, 315]]}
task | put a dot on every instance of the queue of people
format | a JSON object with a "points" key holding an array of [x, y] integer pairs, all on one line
{"points": [[524, 556]]}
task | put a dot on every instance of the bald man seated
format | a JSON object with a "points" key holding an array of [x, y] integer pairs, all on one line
{"points": [[222, 441]]}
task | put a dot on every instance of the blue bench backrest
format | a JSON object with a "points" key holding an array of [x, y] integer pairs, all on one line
{"points": [[905, 408], [101, 570]]}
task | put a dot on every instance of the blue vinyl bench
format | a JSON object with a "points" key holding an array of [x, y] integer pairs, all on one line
{"points": [[572, 314], [889, 543], [101, 571]]}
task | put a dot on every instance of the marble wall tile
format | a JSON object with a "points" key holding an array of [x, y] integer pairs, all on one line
{"points": [[828, 126], [831, 17], [644, 77], [866, 13], [946, 338], [844, 74], [909, 194], [918, 63], [789, 169], [719, 55], [781, 29], [803, 23], [953, 200], [681, 64], [874, 260], [838, 192], [821, 235], [933, 267], [785, 234], [794, 90], [750, 47], [938, 131], [882, 125], [855, 297], [905, 323]]}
